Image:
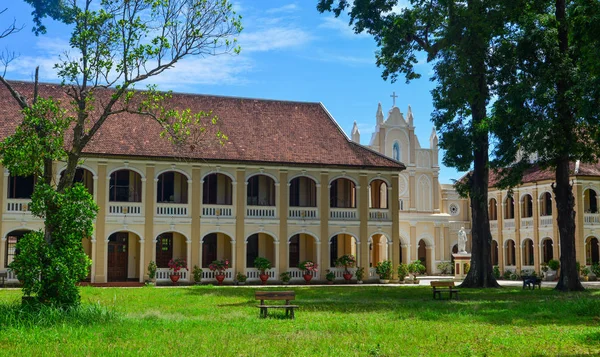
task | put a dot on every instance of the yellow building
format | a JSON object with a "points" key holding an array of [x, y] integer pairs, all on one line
{"points": [[288, 185]]}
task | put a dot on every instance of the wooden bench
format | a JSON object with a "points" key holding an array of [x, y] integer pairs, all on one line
{"points": [[531, 282], [276, 295], [444, 286]]}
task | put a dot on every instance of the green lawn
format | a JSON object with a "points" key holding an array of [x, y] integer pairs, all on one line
{"points": [[331, 321]]}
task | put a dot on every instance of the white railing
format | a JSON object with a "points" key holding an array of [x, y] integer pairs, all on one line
{"points": [[164, 274], [494, 225], [372, 273], [172, 209], [591, 218], [339, 272], [217, 211], [260, 211], [527, 223], [125, 208], [344, 214], [254, 274], [546, 221], [379, 214], [296, 273], [303, 213], [509, 224], [18, 205], [210, 275]]}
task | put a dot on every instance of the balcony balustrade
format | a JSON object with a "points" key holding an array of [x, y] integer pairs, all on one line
{"points": [[379, 214], [527, 223], [224, 211], [125, 208], [509, 224], [172, 209], [343, 214], [260, 212], [303, 213]]}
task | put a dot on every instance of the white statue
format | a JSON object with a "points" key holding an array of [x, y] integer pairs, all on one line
{"points": [[462, 241]]}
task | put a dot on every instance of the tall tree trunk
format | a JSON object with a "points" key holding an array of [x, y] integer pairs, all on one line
{"points": [[563, 191]]}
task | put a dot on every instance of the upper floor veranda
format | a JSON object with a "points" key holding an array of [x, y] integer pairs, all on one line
{"points": [[139, 190]]}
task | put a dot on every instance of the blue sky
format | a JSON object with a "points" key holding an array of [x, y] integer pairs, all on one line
{"points": [[289, 52]]}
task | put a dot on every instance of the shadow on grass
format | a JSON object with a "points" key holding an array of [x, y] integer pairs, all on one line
{"points": [[18, 316], [505, 306]]}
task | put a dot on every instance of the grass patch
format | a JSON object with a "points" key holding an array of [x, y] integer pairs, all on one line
{"points": [[331, 321]]}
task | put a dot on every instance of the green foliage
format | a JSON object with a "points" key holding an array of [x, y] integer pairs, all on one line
{"points": [[467, 268], [285, 276], [40, 136], [402, 271], [384, 269], [416, 267], [596, 270], [50, 270], [360, 273], [585, 271], [554, 264], [445, 267], [262, 264], [346, 261], [241, 277], [152, 270], [507, 274], [197, 273], [497, 271], [54, 9], [330, 276]]}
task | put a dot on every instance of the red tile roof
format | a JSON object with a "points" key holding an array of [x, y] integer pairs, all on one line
{"points": [[536, 174], [259, 131]]}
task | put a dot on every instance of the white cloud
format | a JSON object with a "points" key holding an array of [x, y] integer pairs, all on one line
{"points": [[273, 39], [348, 60], [341, 26], [283, 9]]}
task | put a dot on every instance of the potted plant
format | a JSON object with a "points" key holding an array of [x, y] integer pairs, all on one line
{"points": [[308, 267], [346, 261], [385, 270], [219, 267], [360, 274], [415, 268], [330, 276], [241, 278], [262, 264], [496, 272], [197, 273], [176, 265], [285, 277], [584, 273], [402, 272], [152, 272], [445, 268]]}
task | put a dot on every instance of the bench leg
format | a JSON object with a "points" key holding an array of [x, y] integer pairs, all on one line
{"points": [[292, 313], [263, 312]]}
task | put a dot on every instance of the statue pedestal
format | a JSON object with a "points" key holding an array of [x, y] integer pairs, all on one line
{"points": [[461, 260]]}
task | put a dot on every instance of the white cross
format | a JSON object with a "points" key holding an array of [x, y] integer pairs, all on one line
{"points": [[394, 96]]}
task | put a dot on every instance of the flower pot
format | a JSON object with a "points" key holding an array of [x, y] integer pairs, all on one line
{"points": [[264, 278], [174, 278], [241, 283], [285, 282], [330, 282], [359, 281], [384, 281], [347, 277], [307, 278], [220, 278], [416, 281]]}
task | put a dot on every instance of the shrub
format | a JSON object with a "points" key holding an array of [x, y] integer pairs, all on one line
{"points": [[330, 276], [507, 274], [384, 269], [445, 267], [219, 265], [496, 272], [241, 277], [402, 271], [197, 273], [262, 264], [177, 264], [285, 276], [152, 270], [554, 264], [585, 271], [596, 269], [467, 268], [416, 267], [308, 266], [360, 273]]}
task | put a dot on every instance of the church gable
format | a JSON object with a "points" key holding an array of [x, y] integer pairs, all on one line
{"points": [[395, 118]]}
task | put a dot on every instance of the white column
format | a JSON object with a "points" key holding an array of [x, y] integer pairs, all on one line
{"points": [[93, 253], [406, 247], [318, 250], [188, 251], [144, 196], [390, 250], [200, 254], [358, 261], [276, 249], [233, 256], [142, 268]]}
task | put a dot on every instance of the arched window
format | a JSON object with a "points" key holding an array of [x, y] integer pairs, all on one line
{"points": [[396, 151]]}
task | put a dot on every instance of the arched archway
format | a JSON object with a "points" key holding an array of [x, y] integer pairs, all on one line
{"points": [[493, 210], [342, 193], [301, 247], [172, 187], [424, 254], [216, 246], [261, 245], [547, 250], [526, 206], [125, 186], [217, 189], [527, 253], [123, 251], [379, 249], [590, 201], [378, 194], [592, 251], [546, 204], [261, 191], [342, 244], [170, 245], [494, 252], [509, 208], [509, 254]]}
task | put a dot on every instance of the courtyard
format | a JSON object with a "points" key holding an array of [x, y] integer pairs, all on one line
{"points": [[339, 320]]}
